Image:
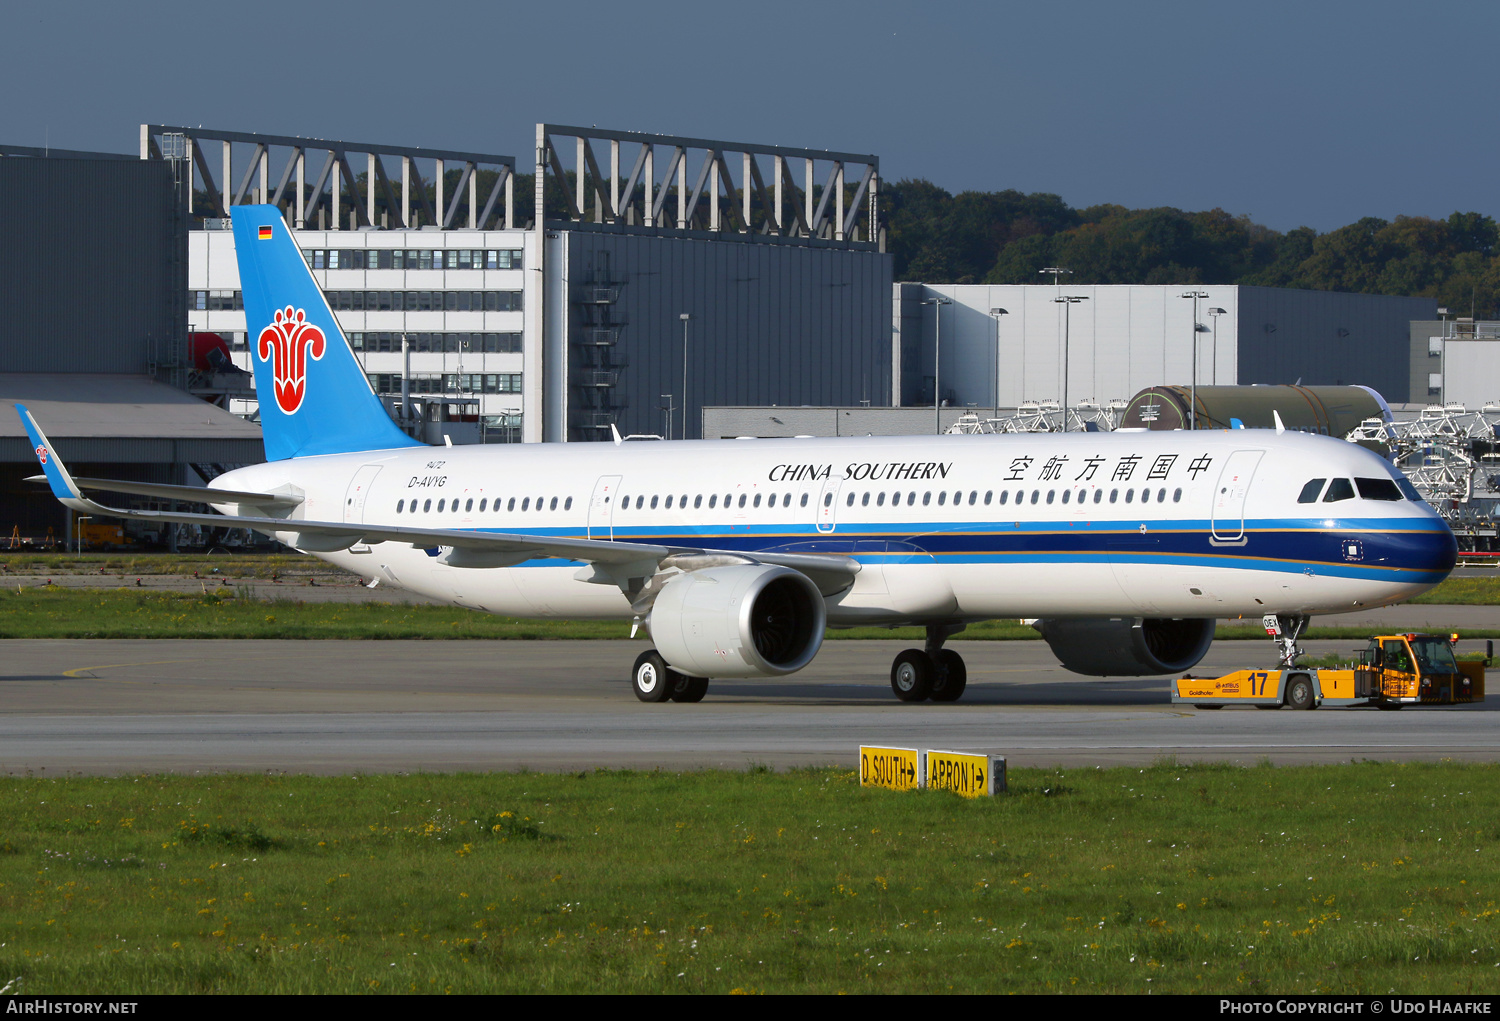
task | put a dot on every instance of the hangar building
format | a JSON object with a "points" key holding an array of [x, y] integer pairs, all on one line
{"points": [[1121, 338]]}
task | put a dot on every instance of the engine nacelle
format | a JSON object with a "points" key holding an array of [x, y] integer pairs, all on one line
{"points": [[750, 620], [1127, 646]]}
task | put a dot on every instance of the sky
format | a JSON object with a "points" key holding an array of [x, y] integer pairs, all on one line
{"points": [[1314, 112]]}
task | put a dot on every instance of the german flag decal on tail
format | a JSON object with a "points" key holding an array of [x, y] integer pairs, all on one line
{"points": [[265, 233]]}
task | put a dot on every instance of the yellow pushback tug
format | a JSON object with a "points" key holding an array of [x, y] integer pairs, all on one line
{"points": [[1392, 671]]}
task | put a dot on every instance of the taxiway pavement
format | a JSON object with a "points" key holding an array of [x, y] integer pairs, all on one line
{"points": [[376, 706]]}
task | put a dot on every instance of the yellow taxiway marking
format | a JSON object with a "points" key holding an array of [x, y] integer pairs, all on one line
{"points": [[79, 671]]}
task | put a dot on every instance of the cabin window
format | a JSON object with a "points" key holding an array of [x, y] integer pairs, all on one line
{"points": [[1145, 496], [849, 502], [827, 499], [525, 504], [756, 501], [1098, 495], [1004, 496], [1036, 494], [399, 505], [1129, 495], [742, 498], [880, 498], [1066, 494], [942, 499], [483, 504], [653, 501], [896, 499], [669, 502], [1114, 495], [786, 501], [698, 501], [989, 493], [958, 498], [864, 501], [468, 505], [511, 505], [1050, 495], [926, 499], [426, 505], [568, 503], [440, 506], [1310, 491], [552, 504], [640, 502], [682, 502], [1177, 496], [713, 501], [1161, 496], [1378, 489], [974, 498], [1339, 489], [804, 500]]}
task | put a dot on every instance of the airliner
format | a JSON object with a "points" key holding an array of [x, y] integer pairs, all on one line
{"points": [[1121, 548]]}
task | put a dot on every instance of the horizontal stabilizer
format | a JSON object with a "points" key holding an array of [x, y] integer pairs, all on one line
{"points": [[190, 494]]}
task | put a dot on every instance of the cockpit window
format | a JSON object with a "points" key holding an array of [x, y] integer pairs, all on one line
{"points": [[1378, 489], [1404, 484], [1311, 490], [1339, 489]]}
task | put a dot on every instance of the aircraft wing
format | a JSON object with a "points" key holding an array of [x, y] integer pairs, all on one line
{"points": [[191, 494], [625, 563]]}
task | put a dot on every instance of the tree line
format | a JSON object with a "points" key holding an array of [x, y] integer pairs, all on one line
{"points": [[1007, 237]]}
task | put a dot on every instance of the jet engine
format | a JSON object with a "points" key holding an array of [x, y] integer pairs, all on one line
{"points": [[1127, 646], [750, 620]]}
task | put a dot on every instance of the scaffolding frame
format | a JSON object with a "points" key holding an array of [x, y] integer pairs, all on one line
{"points": [[836, 199], [301, 199]]}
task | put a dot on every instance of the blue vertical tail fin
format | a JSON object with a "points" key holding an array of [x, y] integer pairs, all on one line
{"points": [[314, 397]]}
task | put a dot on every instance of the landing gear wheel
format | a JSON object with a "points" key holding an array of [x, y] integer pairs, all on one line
{"points": [[652, 679], [950, 678], [1299, 692], [1203, 705], [688, 689], [911, 675]]}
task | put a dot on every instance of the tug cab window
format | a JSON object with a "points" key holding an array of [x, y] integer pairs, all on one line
{"points": [[1339, 489], [1310, 491]]}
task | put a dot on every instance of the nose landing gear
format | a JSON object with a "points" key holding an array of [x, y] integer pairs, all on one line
{"points": [[931, 672]]}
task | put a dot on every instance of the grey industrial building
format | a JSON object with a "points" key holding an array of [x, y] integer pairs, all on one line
{"points": [[631, 280], [93, 330]]}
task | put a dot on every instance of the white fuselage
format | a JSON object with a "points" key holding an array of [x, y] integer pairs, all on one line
{"points": [[946, 528]]}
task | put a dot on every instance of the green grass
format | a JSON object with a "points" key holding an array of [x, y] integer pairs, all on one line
{"points": [[53, 612], [236, 565], [1463, 591], [1362, 878]]}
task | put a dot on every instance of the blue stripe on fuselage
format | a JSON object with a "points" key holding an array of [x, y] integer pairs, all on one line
{"points": [[1416, 553]]}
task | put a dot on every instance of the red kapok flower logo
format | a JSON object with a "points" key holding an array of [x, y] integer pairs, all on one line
{"points": [[41, 454], [286, 344]]}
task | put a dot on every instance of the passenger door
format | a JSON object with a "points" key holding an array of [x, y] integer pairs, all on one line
{"points": [[602, 507], [827, 510], [359, 492], [1228, 523]]}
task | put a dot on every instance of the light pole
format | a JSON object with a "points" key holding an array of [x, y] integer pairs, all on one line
{"points": [[937, 361], [686, 318], [997, 313], [1067, 301], [1215, 313], [1193, 386], [666, 413]]}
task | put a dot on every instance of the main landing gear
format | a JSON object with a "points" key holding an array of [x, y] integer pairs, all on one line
{"points": [[931, 672], [654, 681]]}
